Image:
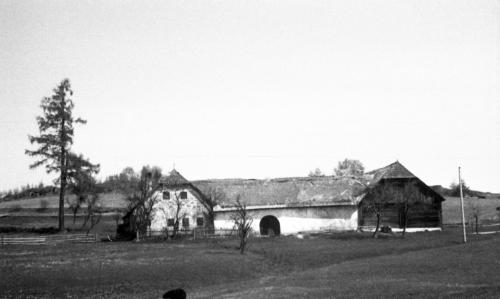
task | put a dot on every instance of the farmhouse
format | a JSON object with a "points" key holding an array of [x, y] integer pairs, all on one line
{"points": [[291, 205], [177, 200]]}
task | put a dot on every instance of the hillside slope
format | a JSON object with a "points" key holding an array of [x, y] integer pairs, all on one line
{"points": [[112, 200]]}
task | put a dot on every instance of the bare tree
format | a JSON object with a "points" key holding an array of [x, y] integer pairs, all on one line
{"points": [[140, 198], [74, 204], [179, 212], [84, 186], [375, 201], [474, 214], [93, 212], [243, 223], [407, 196], [80, 181], [349, 167], [211, 198]]}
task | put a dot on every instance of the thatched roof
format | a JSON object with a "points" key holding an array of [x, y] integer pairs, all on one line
{"points": [[174, 179], [396, 171], [296, 191], [293, 191], [392, 171]]}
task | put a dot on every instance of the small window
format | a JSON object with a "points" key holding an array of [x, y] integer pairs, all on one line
{"points": [[184, 195], [185, 222], [166, 195], [170, 222], [199, 221]]}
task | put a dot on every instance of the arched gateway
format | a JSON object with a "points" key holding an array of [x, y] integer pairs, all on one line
{"points": [[269, 226]]}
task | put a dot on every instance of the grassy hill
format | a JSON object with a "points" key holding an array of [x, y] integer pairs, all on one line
{"points": [[452, 212], [109, 201], [41, 212], [115, 202]]}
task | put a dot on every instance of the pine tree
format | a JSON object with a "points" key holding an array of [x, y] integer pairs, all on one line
{"points": [[56, 137]]}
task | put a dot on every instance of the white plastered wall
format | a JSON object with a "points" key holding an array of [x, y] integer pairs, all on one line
{"points": [[164, 209], [290, 224]]}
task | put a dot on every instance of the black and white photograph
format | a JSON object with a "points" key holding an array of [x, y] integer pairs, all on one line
{"points": [[249, 149]]}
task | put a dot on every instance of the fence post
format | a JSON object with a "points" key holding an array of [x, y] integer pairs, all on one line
{"points": [[2, 240], [194, 233], [95, 238]]}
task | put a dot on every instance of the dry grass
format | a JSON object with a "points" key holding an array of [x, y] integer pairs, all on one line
{"points": [[110, 200], [336, 265], [452, 212], [106, 226]]}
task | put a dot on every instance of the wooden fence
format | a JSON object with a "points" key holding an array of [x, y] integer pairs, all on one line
{"points": [[197, 233], [46, 240]]}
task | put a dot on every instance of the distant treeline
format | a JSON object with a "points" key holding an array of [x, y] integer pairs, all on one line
{"points": [[28, 191]]}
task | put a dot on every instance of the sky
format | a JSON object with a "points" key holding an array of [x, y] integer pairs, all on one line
{"points": [[259, 89]]}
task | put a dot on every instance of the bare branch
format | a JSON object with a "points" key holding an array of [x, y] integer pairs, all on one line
{"points": [[243, 223]]}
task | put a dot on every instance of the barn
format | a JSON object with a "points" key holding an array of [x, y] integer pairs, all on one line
{"points": [[290, 205], [298, 204], [426, 212]]}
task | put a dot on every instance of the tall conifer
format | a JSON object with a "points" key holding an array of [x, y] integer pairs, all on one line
{"points": [[56, 137]]}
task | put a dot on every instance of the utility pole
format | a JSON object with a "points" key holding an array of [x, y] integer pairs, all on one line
{"points": [[462, 203]]}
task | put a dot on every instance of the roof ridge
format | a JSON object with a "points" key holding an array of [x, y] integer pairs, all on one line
{"points": [[174, 178], [283, 178]]}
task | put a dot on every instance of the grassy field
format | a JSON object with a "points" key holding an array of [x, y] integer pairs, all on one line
{"points": [[108, 200], [452, 212], [28, 213], [106, 226], [335, 265]]}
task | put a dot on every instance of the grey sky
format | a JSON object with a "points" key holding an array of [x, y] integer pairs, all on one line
{"points": [[259, 88]]}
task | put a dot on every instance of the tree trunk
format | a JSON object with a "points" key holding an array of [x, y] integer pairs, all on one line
{"points": [[211, 222], [176, 229], [405, 220], [61, 196], [477, 223], [378, 225], [242, 243], [62, 144]]}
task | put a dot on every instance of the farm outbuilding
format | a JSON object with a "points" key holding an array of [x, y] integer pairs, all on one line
{"points": [[425, 210], [297, 204], [291, 205]]}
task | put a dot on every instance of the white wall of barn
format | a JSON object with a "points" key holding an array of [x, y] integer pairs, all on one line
{"points": [[293, 220], [165, 209]]}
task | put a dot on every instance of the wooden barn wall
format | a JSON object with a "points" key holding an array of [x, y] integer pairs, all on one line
{"points": [[421, 214], [418, 216]]}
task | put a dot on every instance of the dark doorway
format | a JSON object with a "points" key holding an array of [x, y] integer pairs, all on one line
{"points": [[270, 226]]}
